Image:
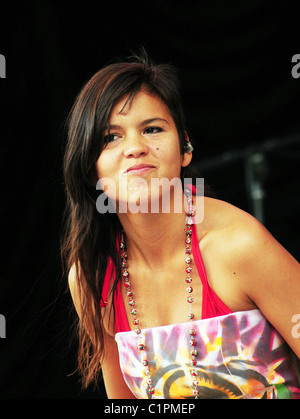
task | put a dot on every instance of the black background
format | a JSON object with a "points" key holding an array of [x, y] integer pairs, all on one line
{"points": [[239, 94]]}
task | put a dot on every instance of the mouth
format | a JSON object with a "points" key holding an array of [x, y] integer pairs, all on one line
{"points": [[139, 169]]}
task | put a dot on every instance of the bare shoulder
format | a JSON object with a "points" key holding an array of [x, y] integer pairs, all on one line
{"points": [[240, 237], [226, 235], [263, 263], [231, 227], [245, 262]]}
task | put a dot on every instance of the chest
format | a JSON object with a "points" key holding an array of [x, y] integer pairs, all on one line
{"points": [[162, 296]]}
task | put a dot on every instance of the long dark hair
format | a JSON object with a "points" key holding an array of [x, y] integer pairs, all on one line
{"points": [[90, 238]]}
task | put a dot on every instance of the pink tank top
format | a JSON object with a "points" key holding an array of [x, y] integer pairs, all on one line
{"points": [[212, 305]]}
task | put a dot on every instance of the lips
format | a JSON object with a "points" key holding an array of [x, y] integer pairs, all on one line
{"points": [[139, 169]]}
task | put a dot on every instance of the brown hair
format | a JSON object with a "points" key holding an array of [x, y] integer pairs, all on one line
{"points": [[90, 237]]}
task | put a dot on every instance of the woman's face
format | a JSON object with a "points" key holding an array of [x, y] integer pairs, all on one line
{"points": [[143, 144]]}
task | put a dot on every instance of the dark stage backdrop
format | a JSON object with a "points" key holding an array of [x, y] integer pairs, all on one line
{"points": [[241, 100]]}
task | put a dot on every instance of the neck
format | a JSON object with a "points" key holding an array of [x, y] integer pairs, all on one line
{"points": [[153, 237]]}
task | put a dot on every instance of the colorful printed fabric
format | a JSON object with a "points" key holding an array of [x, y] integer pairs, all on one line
{"points": [[239, 355]]}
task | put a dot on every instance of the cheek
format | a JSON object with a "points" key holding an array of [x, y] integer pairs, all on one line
{"points": [[98, 166], [169, 161], [104, 165]]}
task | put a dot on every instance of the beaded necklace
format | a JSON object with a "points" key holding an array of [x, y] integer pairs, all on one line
{"points": [[188, 269]]}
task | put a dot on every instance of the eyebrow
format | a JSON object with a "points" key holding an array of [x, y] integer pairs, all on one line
{"points": [[145, 122]]}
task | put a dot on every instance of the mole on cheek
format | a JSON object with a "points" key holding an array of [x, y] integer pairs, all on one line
{"points": [[157, 148]]}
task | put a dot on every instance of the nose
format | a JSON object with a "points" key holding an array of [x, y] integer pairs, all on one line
{"points": [[135, 146]]}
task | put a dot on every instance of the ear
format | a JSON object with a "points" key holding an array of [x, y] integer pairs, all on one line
{"points": [[187, 157]]}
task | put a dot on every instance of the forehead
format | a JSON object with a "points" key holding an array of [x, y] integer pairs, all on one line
{"points": [[143, 106]]}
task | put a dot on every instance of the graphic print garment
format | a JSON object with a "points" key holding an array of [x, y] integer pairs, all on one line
{"points": [[239, 355]]}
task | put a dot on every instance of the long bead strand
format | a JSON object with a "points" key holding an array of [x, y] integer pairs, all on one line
{"points": [[188, 269], [190, 299], [141, 345]]}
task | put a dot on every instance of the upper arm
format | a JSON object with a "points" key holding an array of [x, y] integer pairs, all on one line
{"points": [[115, 386], [270, 276], [74, 289], [276, 289]]}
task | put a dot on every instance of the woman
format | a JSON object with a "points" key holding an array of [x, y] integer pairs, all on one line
{"points": [[171, 303]]}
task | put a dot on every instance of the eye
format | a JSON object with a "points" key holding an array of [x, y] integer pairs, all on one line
{"points": [[110, 138], [153, 130]]}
